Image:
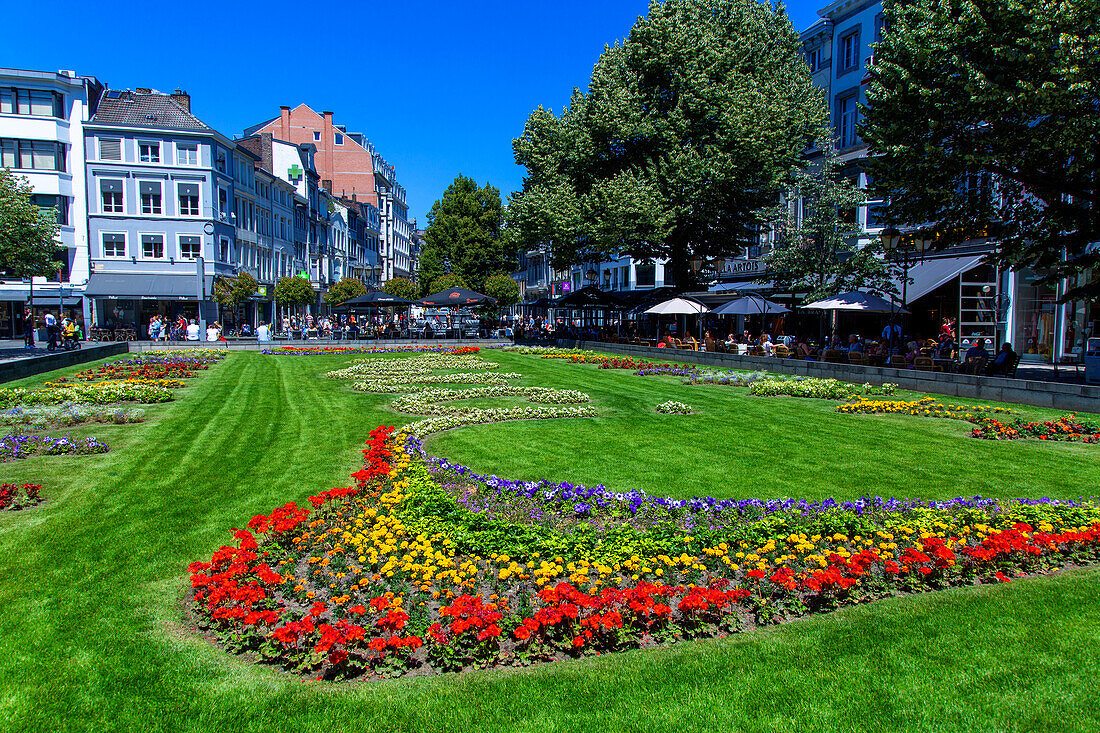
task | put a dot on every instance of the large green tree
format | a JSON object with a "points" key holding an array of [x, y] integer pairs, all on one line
{"points": [[402, 287], [984, 118], [688, 128], [817, 239], [232, 292], [446, 282], [343, 290], [504, 289], [464, 234], [28, 234]]}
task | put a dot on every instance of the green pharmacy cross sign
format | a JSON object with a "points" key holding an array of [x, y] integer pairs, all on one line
{"points": [[295, 173]]}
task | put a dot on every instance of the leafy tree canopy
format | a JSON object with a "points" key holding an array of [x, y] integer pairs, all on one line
{"points": [[817, 240], [502, 287], [687, 130], [28, 235], [446, 282], [294, 292], [983, 118], [402, 287], [232, 291], [465, 232], [344, 290]]}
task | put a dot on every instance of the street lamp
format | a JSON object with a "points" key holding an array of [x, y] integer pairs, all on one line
{"points": [[906, 245]]}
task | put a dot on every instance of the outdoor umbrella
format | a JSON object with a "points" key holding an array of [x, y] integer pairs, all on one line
{"points": [[457, 298], [856, 301], [589, 297], [750, 305], [678, 307], [374, 299]]}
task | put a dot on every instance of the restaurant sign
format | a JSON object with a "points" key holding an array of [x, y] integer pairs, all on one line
{"points": [[744, 267]]}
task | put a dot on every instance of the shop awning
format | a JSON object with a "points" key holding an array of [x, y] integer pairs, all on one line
{"points": [[125, 285], [928, 275]]}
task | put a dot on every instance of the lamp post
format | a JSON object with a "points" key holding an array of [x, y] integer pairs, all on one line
{"points": [[906, 245]]}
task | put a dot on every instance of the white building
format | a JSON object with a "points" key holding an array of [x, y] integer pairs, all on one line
{"points": [[42, 114]]}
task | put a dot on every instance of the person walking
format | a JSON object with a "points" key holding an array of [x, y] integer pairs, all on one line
{"points": [[51, 331], [28, 329]]}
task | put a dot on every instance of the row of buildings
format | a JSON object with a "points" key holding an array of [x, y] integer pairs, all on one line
{"points": [[154, 204], [957, 284]]}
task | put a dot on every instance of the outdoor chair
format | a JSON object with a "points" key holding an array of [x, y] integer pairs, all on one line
{"points": [[925, 364], [782, 352], [857, 357], [711, 345], [835, 356], [898, 362]]}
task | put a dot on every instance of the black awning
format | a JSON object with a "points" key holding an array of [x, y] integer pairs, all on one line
{"points": [[132, 285]]}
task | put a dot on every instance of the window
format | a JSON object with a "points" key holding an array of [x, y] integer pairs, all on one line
{"points": [[224, 249], [646, 274], [60, 205], [847, 117], [316, 135], [881, 27], [848, 52], [338, 139], [114, 245], [187, 154], [223, 203], [190, 246], [150, 197], [189, 199], [813, 59], [35, 102], [41, 155], [149, 152], [152, 246], [219, 161], [111, 195], [110, 148]]}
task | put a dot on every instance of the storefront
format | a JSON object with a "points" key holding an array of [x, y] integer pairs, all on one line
{"points": [[128, 302]]}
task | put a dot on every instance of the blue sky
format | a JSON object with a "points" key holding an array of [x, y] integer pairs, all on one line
{"points": [[440, 88]]}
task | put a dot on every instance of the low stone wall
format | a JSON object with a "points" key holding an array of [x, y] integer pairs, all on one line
{"points": [[1059, 396], [253, 345], [28, 367]]}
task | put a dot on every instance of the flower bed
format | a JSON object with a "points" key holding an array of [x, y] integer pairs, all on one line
{"points": [[422, 567], [14, 497], [143, 369], [674, 408], [103, 393], [1068, 429], [924, 407], [24, 446], [328, 350], [67, 415], [822, 389], [433, 401]]}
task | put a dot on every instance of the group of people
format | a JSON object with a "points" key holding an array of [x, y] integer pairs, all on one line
{"points": [[66, 333]]}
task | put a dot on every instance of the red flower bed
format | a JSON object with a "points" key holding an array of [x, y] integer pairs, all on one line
{"points": [[16, 497], [1068, 428]]}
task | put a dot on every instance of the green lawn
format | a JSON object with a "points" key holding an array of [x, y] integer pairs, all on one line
{"points": [[93, 635]]}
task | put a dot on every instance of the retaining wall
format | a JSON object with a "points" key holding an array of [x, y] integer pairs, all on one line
{"points": [[253, 345], [31, 365], [1056, 395]]}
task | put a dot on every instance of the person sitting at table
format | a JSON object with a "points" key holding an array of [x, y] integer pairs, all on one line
{"points": [[946, 349], [976, 357], [1004, 360], [854, 345], [767, 345], [802, 346], [911, 353]]}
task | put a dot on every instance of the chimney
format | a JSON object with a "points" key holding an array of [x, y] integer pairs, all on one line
{"points": [[183, 99], [327, 163], [327, 185], [284, 122]]}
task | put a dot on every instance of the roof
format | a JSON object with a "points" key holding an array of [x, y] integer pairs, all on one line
{"points": [[145, 109]]}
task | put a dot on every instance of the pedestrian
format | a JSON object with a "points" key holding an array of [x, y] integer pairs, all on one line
{"points": [[28, 329], [51, 331]]}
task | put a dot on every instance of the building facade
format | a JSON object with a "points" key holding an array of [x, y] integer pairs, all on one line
{"points": [[42, 117], [350, 168], [163, 210]]}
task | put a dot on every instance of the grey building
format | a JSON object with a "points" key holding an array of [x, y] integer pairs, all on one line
{"points": [[161, 225]]}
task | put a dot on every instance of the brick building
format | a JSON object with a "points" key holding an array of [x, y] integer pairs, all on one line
{"points": [[352, 169]]}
